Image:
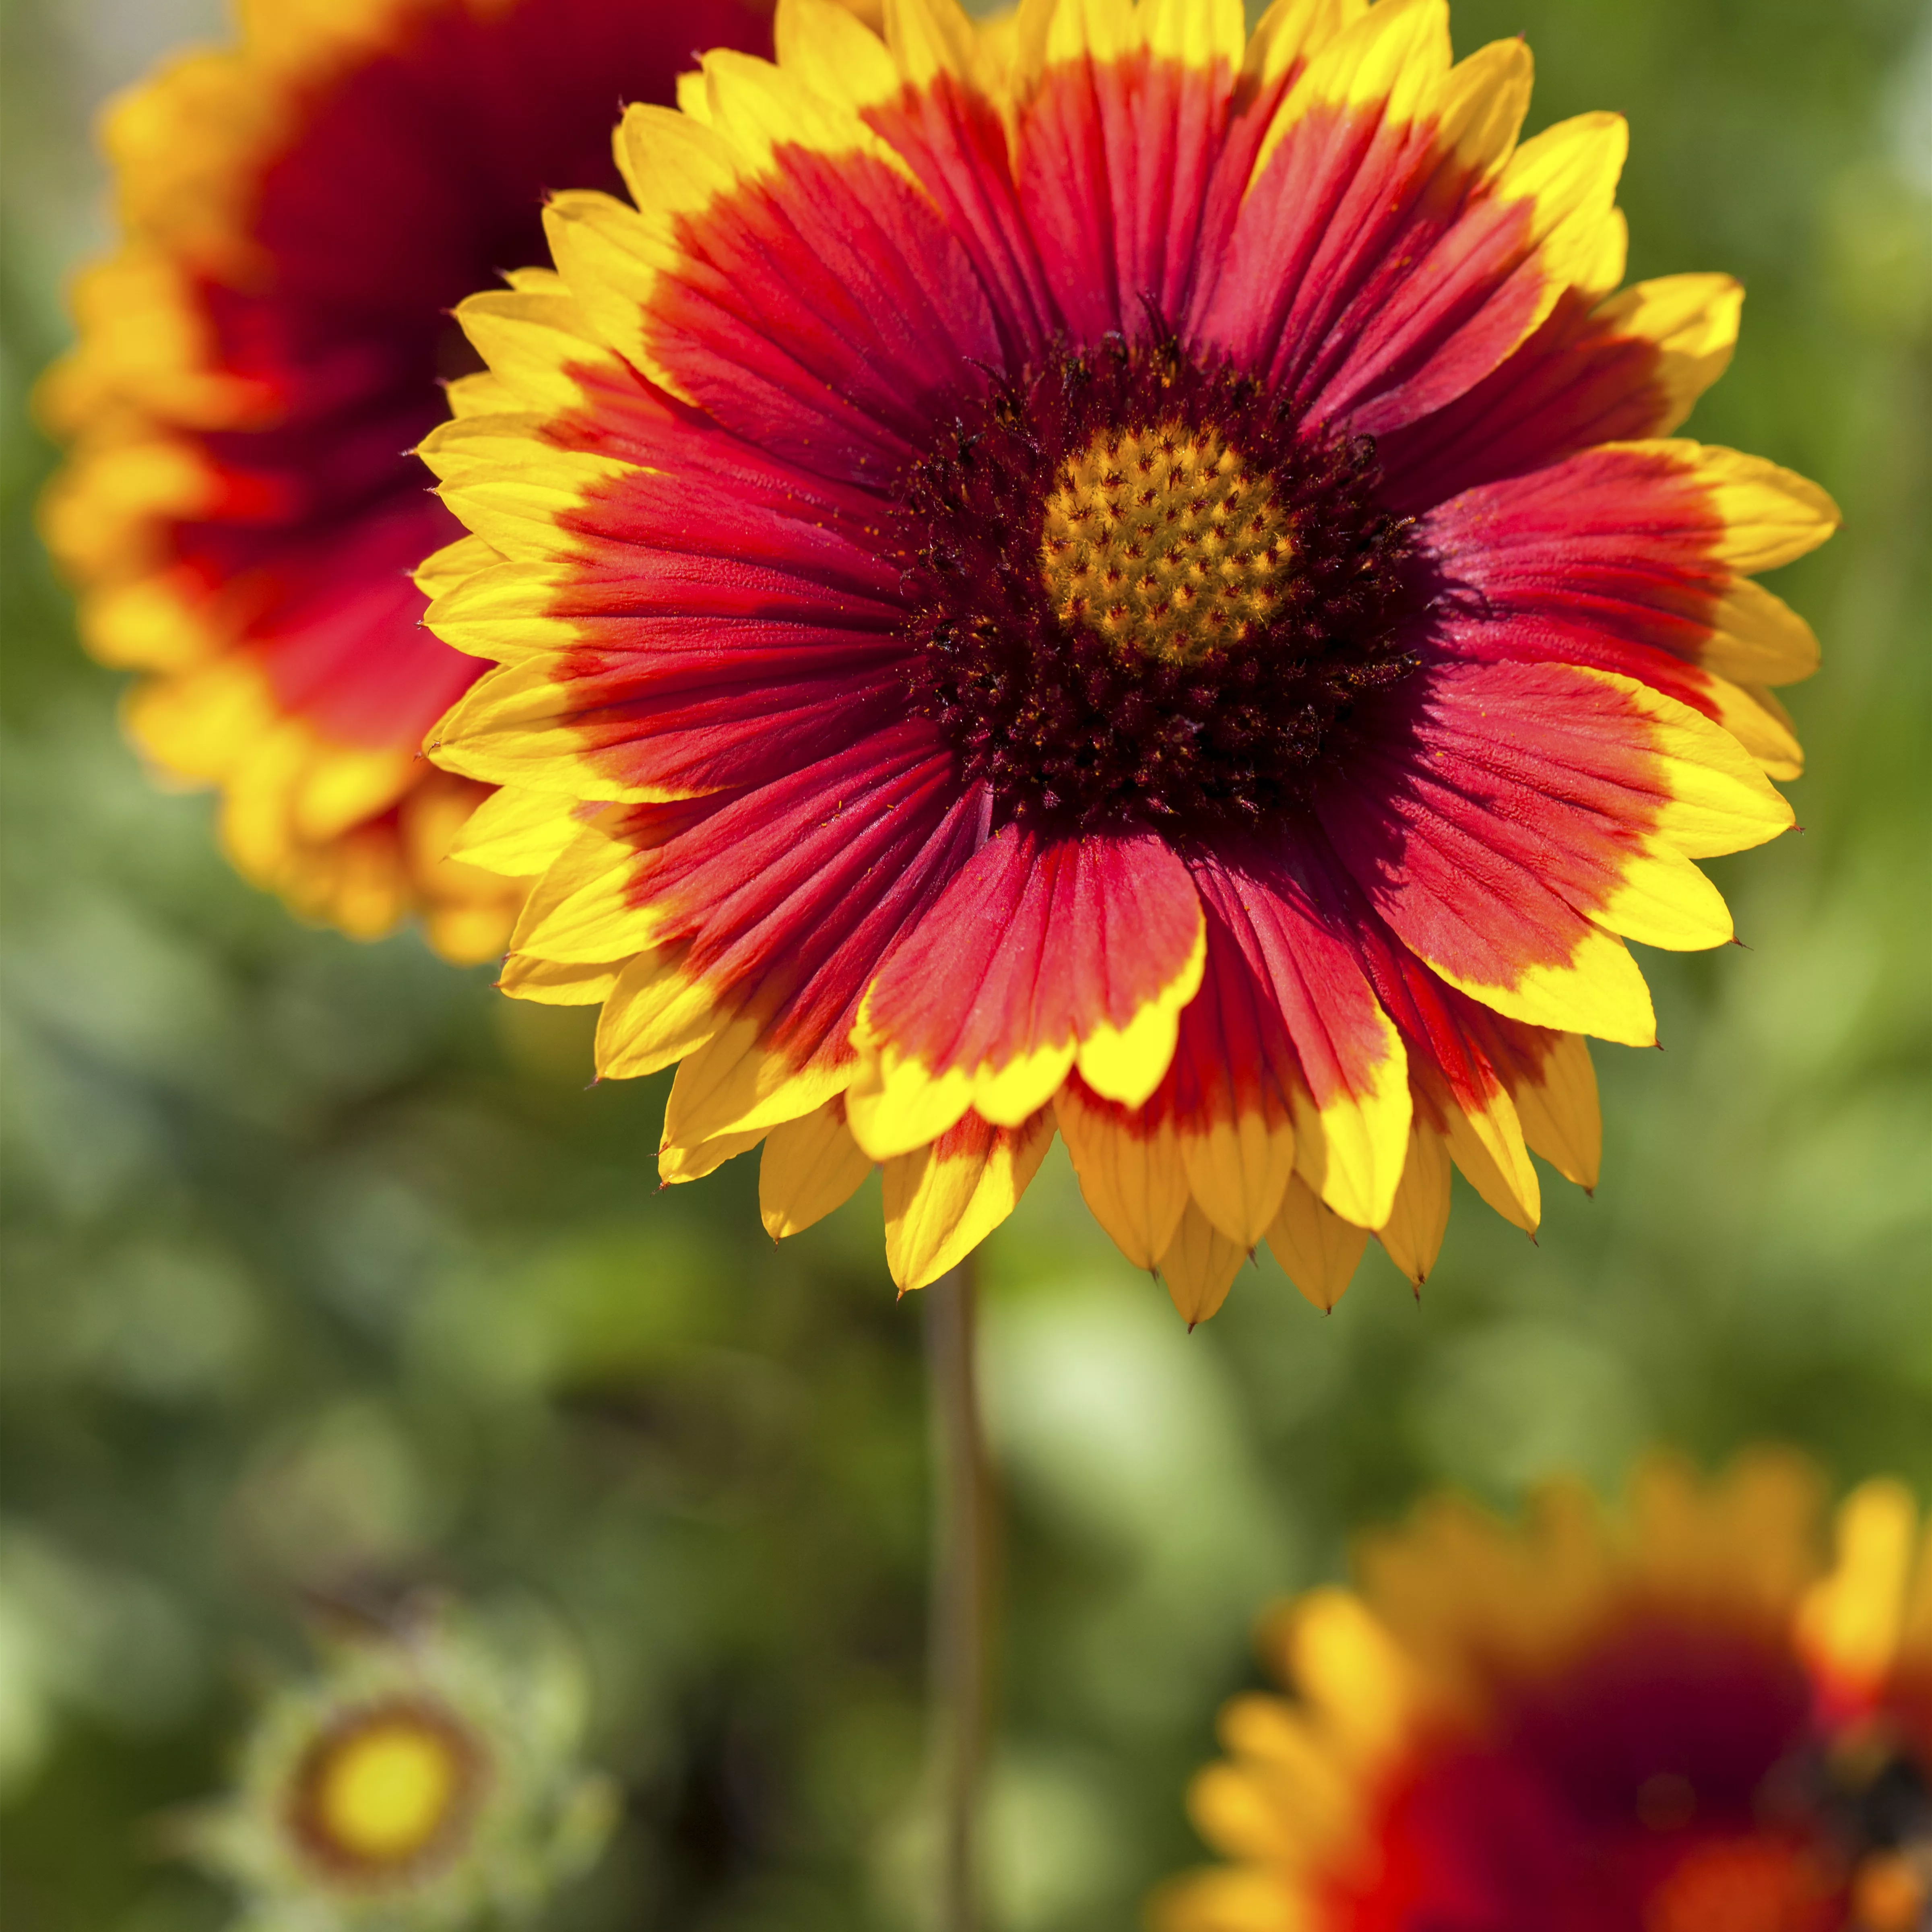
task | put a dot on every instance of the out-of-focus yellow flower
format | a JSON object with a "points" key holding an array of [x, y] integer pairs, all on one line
{"points": [[299, 211], [1680, 1719], [428, 1778]]}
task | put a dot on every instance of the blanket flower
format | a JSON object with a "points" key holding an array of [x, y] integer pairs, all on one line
{"points": [[1680, 1718], [299, 212], [1100, 573]]}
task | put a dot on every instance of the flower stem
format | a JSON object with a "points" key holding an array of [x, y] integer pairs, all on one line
{"points": [[961, 1592]]}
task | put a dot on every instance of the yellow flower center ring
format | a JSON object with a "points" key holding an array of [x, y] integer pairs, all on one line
{"points": [[387, 1788]]}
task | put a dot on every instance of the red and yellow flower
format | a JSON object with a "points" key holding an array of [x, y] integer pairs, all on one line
{"points": [[1101, 573], [1681, 1720], [300, 212]]}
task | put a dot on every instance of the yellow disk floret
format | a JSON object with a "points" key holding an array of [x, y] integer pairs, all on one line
{"points": [[386, 1788], [1164, 542]]}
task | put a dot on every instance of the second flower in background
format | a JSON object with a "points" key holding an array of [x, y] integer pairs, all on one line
{"points": [[299, 213], [1681, 1718]]}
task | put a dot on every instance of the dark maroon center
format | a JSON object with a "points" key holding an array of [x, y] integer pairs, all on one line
{"points": [[1144, 591]]}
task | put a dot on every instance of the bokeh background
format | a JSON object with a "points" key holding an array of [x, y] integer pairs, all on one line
{"points": [[326, 1278]]}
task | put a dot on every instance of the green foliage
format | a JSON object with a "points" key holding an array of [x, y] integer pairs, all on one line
{"points": [[326, 1280]]}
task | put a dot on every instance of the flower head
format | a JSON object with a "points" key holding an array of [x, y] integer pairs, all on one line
{"points": [[299, 213], [1098, 573], [428, 1779], [1679, 1719]]}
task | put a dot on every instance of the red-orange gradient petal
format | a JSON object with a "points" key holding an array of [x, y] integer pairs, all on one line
{"points": [[1626, 368], [782, 902], [1349, 1148], [1041, 953], [819, 310], [1488, 809]]}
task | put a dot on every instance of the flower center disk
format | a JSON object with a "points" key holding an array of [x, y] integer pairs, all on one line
{"points": [[384, 1788], [1145, 592], [1164, 542]]}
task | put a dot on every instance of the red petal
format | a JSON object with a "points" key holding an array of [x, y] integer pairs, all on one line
{"points": [[955, 141], [1356, 271], [1348, 1052], [1313, 979], [1576, 383], [1482, 806], [745, 545], [1118, 160], [1618, 541], [736, 721], [819, 311], [1040, 953], [788, 897]]}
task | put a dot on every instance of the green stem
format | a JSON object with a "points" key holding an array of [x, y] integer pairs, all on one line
{"points": [[962, 1595]]}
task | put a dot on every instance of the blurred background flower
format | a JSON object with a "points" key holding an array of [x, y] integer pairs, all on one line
{"points": [[1678, 1718], [426, 1779], [299, 209], [323, 1273]]}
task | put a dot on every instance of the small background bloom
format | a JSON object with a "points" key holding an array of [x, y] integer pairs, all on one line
{"points": [[324, 1271], [425, 1778]]}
